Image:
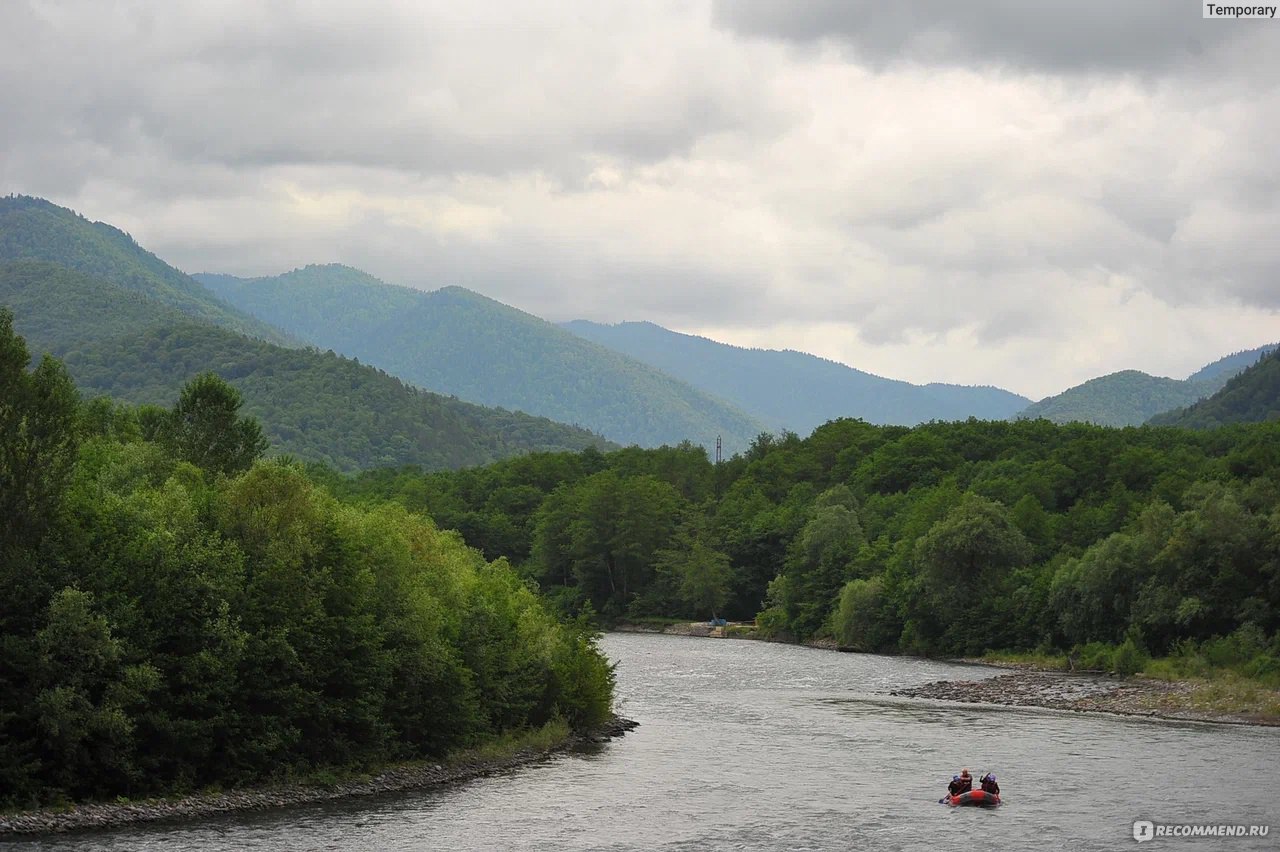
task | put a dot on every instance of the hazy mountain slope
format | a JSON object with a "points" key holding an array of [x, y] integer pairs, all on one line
{"points": [[1224, 368], [1127, 398], [35, 229], [795, 390], [317, 406], [459, 342], [1249, 397], [1130, 397]]}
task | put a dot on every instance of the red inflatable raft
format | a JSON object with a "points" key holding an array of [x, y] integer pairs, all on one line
{"points": [[975, 798]]}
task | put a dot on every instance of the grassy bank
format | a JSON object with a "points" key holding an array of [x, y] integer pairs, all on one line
{"points": [[1234, 675]]}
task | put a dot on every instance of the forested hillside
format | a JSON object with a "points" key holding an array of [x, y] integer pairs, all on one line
{"points": [[1127, 398], [316, 406], [1228, 366], [1131, 398], [458, 342], [35, 229], [949, 538], [1250, 397], [179, 615], [794, 390]]}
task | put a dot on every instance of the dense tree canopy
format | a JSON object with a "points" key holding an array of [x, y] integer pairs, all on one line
{"points": [[947, 538], [178, 615]]}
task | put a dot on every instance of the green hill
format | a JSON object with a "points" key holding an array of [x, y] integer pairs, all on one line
{"points": [[795, 390], [1131, 398], [1252, 396], [1127, 398], [314, 405], [459, 342], [36, 229]]}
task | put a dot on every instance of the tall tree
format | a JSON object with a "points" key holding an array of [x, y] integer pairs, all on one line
{"points": [[38, 413], [206, 429], [964, 563]]}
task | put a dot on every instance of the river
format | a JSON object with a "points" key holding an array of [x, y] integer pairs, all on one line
{"points": [[749, 745]]}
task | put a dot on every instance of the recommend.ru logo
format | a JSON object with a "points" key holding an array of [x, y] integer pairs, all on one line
{"points": [[1145, 829]]}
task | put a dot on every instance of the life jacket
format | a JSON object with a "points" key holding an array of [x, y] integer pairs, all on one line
{"points": [[991, 787], [966, 784], [955, 788]]}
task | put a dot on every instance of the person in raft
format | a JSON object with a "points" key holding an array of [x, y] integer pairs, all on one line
{"points": [[961, 783], [989, 784]]}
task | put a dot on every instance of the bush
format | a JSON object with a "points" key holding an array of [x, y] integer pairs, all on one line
{"points": [[1096, 656], [859, 620], [772, 622], [1264, 668], [1128, 659]]}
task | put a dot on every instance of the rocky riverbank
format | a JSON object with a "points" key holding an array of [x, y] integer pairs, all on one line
{"points": [[404, 777], [1090, 693]]}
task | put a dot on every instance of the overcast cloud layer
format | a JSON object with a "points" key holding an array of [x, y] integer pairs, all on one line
{"points": [[988, 192]]}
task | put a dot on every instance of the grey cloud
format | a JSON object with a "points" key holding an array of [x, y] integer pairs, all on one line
{"points": [[638, 163], [394, 86], [1050, 35]]}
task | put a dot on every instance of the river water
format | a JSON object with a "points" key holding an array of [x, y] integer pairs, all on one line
{"points": [[749, 745]]}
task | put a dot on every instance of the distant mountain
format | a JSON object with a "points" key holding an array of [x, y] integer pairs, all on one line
{"points": [[1251, 396], [36, 229], [316, 406], [1224, 368], [1127, 398], [1130, 397], [795, 390], [459, 342]]}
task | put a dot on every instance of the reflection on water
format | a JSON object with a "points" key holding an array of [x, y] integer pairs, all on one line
{"points": [[747, 745]]}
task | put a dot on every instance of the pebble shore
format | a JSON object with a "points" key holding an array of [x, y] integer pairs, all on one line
{"points": [[1096, 693], [409, 777]]}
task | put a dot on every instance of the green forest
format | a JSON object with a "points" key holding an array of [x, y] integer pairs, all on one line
{"points": [[180, 614], [946, 539]]}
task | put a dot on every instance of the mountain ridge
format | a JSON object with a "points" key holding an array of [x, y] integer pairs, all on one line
{"points": [[457, 341], [314, 405], [1132, 397], [1250, 396], [39, 230], [796, 390]]}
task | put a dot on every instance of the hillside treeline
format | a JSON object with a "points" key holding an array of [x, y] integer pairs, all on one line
{"points": [[313, 405], [180, 614], [1250, 397], [949, 538]]}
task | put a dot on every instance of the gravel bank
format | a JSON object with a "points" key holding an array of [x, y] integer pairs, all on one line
{"points": [[108, 815], [1083, 692]]}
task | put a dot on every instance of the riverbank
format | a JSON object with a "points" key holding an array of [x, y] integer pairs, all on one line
{"points": [[1042, 683], [729, 630], [1222, 702], [463, 766]]}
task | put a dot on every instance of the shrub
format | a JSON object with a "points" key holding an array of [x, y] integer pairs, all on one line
{"points": [[1128, 659]]}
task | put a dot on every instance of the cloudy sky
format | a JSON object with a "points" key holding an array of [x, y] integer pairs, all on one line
{"points": [[989, 192]]}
